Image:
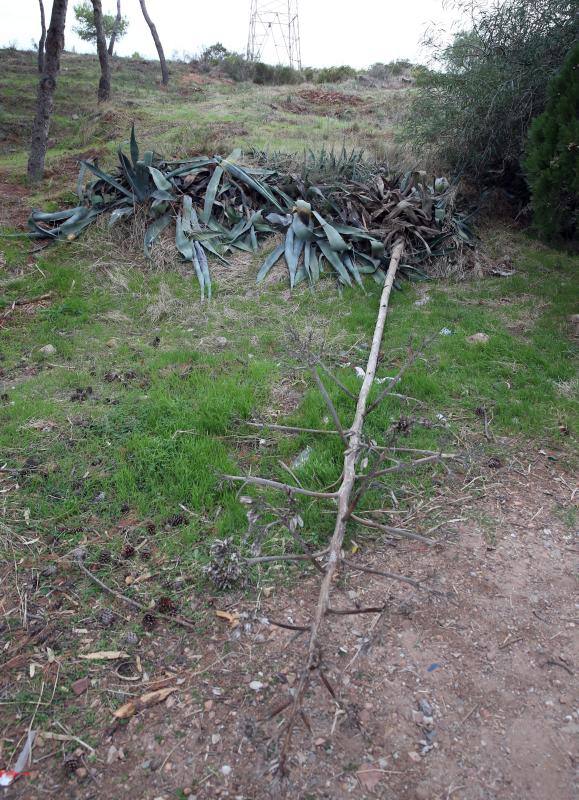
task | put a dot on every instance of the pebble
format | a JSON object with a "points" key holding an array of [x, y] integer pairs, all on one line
{"points": [[257, 686], [47, 350], [425, 707], [226, 770], [478, 338]]}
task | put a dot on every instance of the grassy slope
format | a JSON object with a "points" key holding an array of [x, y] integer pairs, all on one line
{"points": [[160, 432]]}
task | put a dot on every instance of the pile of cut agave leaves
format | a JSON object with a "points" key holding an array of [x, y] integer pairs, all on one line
{"points": [[338, 214]]}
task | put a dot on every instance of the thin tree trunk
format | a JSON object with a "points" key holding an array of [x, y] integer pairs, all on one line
{"points": [[158, 45], [104, 91], [46, 87], [42, 41], [115, 29]]}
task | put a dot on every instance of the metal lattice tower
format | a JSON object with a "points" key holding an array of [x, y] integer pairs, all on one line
{"points": [[274, 32]]}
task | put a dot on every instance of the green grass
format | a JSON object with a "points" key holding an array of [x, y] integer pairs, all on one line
{"points": [[160, 434], [162, 437]]}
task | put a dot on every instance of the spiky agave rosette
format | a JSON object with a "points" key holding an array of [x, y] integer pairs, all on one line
{"points": [[340, 220]]}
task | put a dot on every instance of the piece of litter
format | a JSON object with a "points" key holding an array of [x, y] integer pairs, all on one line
{"points": [[432, 667], [301, 458], [257, 686], [445, 332], [360, 372]]}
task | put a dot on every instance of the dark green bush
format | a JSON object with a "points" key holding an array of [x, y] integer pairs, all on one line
{"points": [[552, 158], [335, 74], [275, 75], [474, 107]]}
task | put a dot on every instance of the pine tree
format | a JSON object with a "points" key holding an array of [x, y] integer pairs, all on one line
{"points": [[552, 157]]}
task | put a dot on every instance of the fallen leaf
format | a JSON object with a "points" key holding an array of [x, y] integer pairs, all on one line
{"points": [[145, 701], [233, 619], [145, 576], [104, 655], [125, 711], [80, 686], [369, 777]]}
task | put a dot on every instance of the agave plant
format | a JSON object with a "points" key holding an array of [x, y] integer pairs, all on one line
{"points": [[338, 213]]}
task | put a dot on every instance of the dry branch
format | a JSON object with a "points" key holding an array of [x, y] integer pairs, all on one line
{"points": [[343, 496]]}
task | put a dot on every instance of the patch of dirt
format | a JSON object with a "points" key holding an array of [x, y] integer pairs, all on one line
{"points": [[465, 694], [331, 103], [14, 210]]}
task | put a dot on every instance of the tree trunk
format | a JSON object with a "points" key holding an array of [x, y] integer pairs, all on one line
{"points": [[42, 39], [46, 87], [104, 91], [115, 29], [158, 45]]}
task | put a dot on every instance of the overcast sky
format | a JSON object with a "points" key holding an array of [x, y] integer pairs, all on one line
{"points": [[356, 32]]}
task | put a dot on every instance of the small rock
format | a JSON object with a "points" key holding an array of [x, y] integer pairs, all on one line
{"points": [[79, 553], [112, 343], [257, 686], [47, 350], [226, 770], [478, 338], [413, 756], [425, 707], [81, 773], [80, 686]]}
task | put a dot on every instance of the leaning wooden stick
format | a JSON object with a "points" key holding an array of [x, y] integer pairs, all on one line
{"points": [[343, 495]]}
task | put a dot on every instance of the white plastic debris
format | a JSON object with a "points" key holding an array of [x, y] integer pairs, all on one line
{"points": [[257, 686], [445, 332]]}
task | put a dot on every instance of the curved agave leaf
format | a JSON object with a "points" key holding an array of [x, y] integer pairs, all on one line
{"points": [[154, 229], [334, 260], [272, 258], [211, 193], [107, 178], [335, 239], [161, 181]]}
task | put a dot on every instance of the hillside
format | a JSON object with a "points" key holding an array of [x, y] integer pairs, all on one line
{"points": [[124, 400]]}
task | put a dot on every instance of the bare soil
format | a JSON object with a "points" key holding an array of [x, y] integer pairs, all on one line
{"points": [[467, 694]]}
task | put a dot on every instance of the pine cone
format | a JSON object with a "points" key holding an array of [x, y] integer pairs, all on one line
{"points": [[166, 606], [149, 621], [128, 551], [71, 764]]}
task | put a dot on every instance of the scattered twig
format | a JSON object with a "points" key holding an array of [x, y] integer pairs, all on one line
{"points": [[290, 428], [284, 487], [177, 620], [369, 523]]}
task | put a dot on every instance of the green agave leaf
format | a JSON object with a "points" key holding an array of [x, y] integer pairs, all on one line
{"points": [[334, 260], [350, 265], [108, 179], [199, 273], [154, 229], [160, 180], [301, 231], [134, 146], [335, 240], [272, 258], [204, 266], [120, 213], [211, 193]]}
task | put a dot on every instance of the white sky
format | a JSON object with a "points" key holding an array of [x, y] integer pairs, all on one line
{"points": [[356, 32]]}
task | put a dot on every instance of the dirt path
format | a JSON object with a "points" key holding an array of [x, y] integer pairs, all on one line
{"points": [[468, 696]]}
